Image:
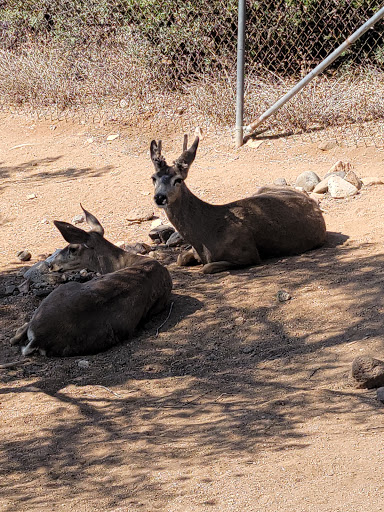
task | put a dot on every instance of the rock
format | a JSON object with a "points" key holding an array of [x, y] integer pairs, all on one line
{"points": [[120, 244], [156, 223], [339, 166], [372, 181], [380, 394], [161, 233], [341, 174], [327, 145], [339, 188], [283, 296], [10, 289], [175, 239], [352, 178], [78, 219], [83, 363], [307, 180], [141, 248], [31, 196], [321, 187], [44, 221], [281, 182], [24, 255], [367, 372], [24, 286], [113, 137]]}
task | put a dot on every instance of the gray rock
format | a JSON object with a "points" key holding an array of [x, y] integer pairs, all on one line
{"points": [[34, 272], [367, 372], [175, 239], [307, 180], [161, 233], [83, 363], [10, 289], [24, 255], [283, 296], [281, 182], [339, 188], [380, 394], [335, 173]]}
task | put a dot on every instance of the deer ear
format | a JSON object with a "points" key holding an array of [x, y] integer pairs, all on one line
{"points": [[93, 222], [186, 159], [71, 234]]}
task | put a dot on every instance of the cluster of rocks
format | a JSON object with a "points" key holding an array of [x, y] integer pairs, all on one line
{"points": [[340, 182], [368, 372]]}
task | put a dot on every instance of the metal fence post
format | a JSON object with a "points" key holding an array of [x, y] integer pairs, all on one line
{"points": [[240, 74]]}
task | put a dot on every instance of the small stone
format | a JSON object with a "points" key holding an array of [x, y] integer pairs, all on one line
{"points": [[78, 219], [141, 248], [367, 372], [10, 289], [161, 233], [24, 286], [380, 394], [83, 363], [281, 182], [239, 320], [247, 350], [339, 188], [339, 167], [175, 240], [321, 187], [283, 296], [83, 272], [372, 181], [31, 196], [254, 144], [123, 103], [307, 180], [120, 244], [24, 255], [352, 178], [155, 223], [112, 137], [327, 145]]}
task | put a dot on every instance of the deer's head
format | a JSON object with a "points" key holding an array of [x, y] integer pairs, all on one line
{"points": [[168, 179], [85, 247]]}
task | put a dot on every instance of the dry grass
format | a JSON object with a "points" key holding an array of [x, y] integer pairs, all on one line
{"points": [[118, 82]]}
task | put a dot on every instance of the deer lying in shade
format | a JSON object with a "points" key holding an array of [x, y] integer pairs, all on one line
{"points": [[86, 318], [274, 222]]}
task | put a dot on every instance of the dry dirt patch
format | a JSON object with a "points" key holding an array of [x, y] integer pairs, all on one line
{"points": [[242, 402]]}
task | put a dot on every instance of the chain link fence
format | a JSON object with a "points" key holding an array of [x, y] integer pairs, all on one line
{"points": [[169, 63]]}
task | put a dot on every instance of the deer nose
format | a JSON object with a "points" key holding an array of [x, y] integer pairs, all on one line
{"points": [[160, 199]]}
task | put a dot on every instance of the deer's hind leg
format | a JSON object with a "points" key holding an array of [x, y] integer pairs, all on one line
{"points": [[20, 335], [219, 266]]}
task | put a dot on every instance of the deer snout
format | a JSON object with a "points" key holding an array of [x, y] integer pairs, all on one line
{"points": [[161, 199]]}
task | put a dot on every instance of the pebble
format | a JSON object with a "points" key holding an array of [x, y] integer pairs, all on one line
{"points": [[83, 363], [380, 394], [283, 296], [175, 239], [24, 255], [327, 145], [367, 372], [281, 182], [78, 219]]}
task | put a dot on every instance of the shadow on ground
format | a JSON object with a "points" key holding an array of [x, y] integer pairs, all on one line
{"points": [[232, 371]]}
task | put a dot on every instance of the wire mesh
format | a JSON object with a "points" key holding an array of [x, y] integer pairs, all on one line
{"points": [[174, 63]]}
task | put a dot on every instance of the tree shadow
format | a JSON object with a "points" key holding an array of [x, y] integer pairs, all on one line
{"points": [[232, 372], [37, 169]]}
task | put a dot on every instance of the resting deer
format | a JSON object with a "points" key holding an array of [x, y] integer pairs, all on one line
{"points": [[86, 318], [274, 222]]}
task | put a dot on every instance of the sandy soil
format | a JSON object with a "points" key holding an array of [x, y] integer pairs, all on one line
{"points": [[241, 403]]}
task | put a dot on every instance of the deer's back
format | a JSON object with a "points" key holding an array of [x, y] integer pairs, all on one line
{"points": [[86, 318]]}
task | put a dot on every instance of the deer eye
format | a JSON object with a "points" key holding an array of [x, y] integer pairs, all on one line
{"points": [[72, 249], [177, 180]]}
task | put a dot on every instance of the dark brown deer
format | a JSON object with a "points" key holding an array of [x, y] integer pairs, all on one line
{"points": [[86, 318], [273, 222]]}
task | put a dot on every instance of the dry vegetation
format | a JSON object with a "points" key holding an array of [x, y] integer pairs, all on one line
{"points": [[117, 82]]}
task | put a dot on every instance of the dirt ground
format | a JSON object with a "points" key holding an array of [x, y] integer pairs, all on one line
{"points": [[241, 403]]}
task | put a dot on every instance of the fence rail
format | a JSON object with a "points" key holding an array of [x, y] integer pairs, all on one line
{"points": [[175, 62]]}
